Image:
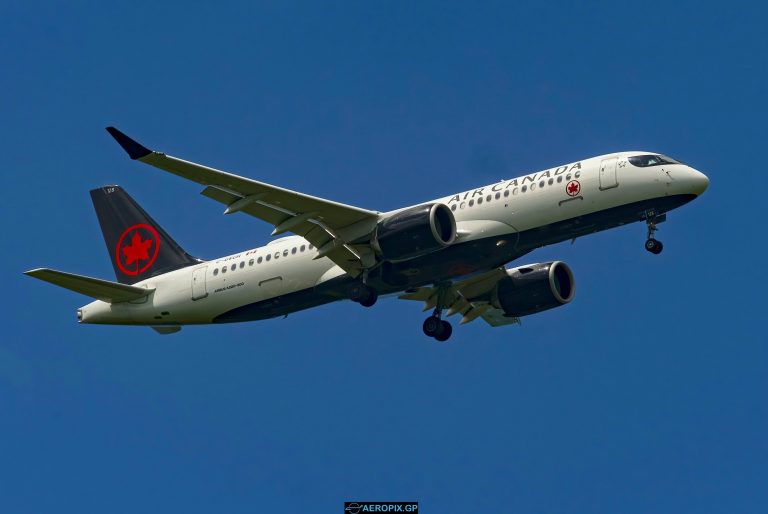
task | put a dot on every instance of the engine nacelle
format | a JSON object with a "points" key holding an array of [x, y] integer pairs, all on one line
{"points": [[415, 232], [534, 288]]}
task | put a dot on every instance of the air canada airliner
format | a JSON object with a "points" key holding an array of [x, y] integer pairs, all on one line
{"points": [[449, 253]]}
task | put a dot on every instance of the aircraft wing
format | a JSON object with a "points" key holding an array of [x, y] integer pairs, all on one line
{"points": [[471, 298], [333, 228]]}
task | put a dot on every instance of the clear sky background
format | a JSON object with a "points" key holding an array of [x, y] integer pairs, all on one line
{"points": [[646, 394]]}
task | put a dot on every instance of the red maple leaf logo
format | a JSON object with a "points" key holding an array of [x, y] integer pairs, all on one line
{"points": [[137, 256], [573, 188], [137, 251]]}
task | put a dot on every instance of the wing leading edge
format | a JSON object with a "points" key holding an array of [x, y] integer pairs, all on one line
{"points": [[333, 228]]}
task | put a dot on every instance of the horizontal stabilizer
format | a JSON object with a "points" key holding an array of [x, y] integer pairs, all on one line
{"points": [[104, 290]]}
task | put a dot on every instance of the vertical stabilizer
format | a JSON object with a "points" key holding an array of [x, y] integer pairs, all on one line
{"points": [[138, 246]]}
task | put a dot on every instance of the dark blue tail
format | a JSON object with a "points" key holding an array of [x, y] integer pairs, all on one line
{"points": [[138, 246]]}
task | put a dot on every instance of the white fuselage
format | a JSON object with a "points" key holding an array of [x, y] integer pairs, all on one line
{"points": [[198, 294]]}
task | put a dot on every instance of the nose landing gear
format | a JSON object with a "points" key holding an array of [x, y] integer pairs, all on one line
{"points": [[652, 244]]}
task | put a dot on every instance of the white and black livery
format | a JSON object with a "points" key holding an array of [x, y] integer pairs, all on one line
{"points": [[449, 253]]}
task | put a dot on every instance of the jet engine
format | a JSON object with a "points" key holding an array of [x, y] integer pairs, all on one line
{"points": [[534, 288], [415, 232]]}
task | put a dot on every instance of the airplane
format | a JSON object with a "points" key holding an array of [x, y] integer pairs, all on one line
{"points": [[449, 253]]}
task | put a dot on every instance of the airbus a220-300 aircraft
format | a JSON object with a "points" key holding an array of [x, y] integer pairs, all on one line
{"points": [[449, 253]]}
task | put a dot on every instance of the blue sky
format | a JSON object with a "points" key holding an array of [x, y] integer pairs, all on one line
{"points": [[646, 394]]}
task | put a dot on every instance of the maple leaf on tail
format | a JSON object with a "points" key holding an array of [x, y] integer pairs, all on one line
{"points": [[138, 250]]}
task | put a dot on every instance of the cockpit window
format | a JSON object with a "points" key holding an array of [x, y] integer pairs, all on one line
{"points": [[643, 161]]}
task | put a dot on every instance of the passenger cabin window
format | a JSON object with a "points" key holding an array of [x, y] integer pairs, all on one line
{"points": [[215, 271], [644, 161]]}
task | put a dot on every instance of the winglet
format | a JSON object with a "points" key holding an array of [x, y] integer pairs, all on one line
{"points": [[134, 149]]}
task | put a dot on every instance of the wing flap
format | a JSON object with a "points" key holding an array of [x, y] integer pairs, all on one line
{"points": [[104, 290], [256, 210]]}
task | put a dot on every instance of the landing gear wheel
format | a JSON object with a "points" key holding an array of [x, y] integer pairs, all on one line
{"points": [[363, 294], [654, 246], [370, 300], [437, 328], [445, 331], [432, 325]]}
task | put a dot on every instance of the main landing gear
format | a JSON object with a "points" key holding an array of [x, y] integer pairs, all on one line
{"points": [[435, 326], [652, 244], [363, 294], [438, 328]]}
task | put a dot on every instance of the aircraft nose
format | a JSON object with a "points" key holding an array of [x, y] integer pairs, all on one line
{"points": [[699, 181]]}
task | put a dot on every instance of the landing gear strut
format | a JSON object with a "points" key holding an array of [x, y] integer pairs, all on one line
{"points": [[435, 326], [363, 294], [652, 244]]}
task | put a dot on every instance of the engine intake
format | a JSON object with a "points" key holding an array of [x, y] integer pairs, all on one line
{"points": [[415, 232], [535, 288]]}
